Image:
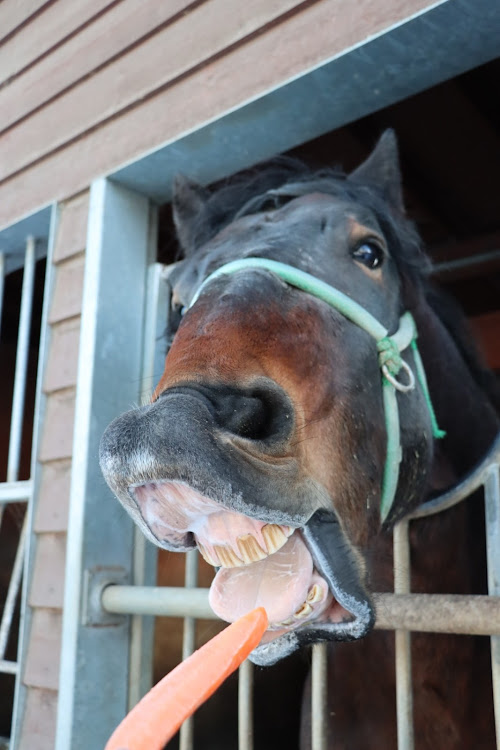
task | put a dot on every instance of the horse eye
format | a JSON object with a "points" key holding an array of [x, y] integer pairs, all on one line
{"points": [[369, 254]]}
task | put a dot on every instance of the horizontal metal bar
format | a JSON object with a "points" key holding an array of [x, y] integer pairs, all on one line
{"points": [[15, 492], [158, 600], [8, 667], [430, 613], [438, 613], [470, 261]]}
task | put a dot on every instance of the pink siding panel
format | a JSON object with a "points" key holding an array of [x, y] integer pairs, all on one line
{"points": [[68, 289], [57, 435], [62, 362], [106, 37], [17, 12], [44, 650], [39, 726], [47, 586], [169, 54], [72, 227], [53, 499], [295, 45], [57, 21]]}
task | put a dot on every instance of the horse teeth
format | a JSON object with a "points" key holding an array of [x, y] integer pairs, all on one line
{"points": [[207, 555], [315, 594], [250, 549], [274, 537], [303, 611], [227, 557], [285, 623]]}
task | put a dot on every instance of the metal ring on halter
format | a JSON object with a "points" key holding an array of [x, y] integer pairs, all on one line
{"points": [[397, 385]]}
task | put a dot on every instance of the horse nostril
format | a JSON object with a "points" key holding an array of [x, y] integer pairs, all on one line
{"points": [[246, 416], [260, 413]]}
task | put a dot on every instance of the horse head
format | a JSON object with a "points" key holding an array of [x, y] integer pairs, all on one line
{"points": [[265, 444]]}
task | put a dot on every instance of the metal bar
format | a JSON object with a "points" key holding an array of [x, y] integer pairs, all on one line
{"points": [[8, 667], [144, 566], [2, 282], [319, 697], [167, 601], [469, 262], [461, 491], [135, 691], [15, 492], [16, 424], [404, 688], [189, 641], [13, 590], [245, 706], [430, 613], [492, 509], [439, 613]]}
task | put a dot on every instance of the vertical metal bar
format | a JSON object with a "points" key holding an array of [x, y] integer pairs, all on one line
{"points": [[245, 706], [404, 691], [145, 554], [12, 592], [16, 425], [135, 692], [319, 696], [189, 642], [2, 282], [492, 509]]}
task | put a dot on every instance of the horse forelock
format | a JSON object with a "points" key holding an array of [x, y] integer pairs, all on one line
{"points": [[272, 185]]}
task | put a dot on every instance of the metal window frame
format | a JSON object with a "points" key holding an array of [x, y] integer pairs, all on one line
{"points": [[36, 234]]}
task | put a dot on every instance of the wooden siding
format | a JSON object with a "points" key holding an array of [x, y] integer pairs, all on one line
{"points": [[45, 597], [206, 59]]}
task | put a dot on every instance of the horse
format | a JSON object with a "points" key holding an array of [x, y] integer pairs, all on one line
{"points": [[317, 389]]}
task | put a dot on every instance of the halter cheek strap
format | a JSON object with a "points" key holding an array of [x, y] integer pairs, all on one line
{"points": [[389, 350]]}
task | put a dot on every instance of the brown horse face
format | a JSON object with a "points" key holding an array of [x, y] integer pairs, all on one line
{"points": [[265, 442]]}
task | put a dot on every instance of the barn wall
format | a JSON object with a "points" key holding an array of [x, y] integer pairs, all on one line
{"points": [[89, 86], [40, 676]]}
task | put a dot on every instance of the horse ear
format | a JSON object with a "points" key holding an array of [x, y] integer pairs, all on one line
{"points": [[189, 209], [381, 168]]}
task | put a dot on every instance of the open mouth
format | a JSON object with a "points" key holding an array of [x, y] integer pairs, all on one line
{"points": [[306, 578]]}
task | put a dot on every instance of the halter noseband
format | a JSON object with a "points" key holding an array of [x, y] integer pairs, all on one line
{"points": [[389, 353]]}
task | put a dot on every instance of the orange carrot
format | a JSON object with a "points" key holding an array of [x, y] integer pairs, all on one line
{"points": [[158, 716]]}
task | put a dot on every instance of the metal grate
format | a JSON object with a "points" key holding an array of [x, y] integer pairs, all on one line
{"points": [[15, 493]]}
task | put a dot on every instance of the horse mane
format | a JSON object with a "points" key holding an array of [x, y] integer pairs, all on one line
{"points": [[452, 317], [251, 191]]}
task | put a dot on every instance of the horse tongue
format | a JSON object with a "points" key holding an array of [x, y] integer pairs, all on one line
{"points": [[279, 583]]}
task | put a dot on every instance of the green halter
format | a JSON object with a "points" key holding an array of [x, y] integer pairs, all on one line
{"points": [[389, 352]]}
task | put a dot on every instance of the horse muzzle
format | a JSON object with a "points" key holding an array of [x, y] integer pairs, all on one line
{"points": [[209, 467]]}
